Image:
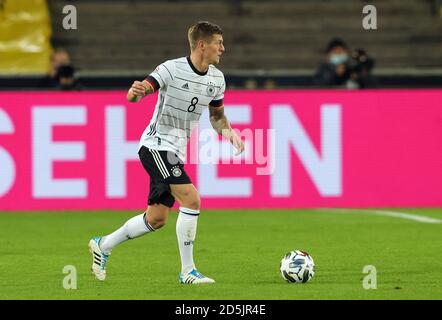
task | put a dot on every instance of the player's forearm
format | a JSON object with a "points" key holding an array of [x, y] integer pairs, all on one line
{"points": [[222, 126]]}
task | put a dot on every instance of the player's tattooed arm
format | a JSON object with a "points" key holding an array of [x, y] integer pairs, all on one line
{"points": [[138, 90], [221, 125], [218, 119]]}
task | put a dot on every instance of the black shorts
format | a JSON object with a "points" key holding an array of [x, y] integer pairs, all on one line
{"points": [[164, 168]]}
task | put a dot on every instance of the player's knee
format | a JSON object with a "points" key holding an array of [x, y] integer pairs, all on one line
{"points": [[157, 223], [193, 203]]}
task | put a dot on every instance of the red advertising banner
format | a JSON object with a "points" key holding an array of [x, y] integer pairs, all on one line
{"points": [[319, 148]]}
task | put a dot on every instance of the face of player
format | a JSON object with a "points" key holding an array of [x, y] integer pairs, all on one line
{"points": [[214, 49]]}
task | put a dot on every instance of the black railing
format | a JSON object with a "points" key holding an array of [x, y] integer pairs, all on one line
{"points": [[232, 81]]}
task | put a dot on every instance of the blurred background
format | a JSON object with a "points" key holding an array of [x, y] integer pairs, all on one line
{"points": [[269, 44], [353, 175], [372, 138]]}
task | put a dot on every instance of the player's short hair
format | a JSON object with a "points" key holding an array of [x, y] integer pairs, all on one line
{"points": [[202, 30]]}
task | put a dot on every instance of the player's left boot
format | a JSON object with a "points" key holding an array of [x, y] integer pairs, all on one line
{"points": [[99, 259], [194, 277]]}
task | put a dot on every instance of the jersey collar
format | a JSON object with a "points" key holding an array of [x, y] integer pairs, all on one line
{"points": [[195, 69]]}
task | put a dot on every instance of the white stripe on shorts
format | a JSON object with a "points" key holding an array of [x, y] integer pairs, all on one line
{"points": [[160, 164]]}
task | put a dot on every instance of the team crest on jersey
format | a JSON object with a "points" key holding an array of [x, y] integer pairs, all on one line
{"points": [[210, 89], [176, 171]]}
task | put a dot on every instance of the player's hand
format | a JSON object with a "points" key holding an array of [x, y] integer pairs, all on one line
{"points": [[139, 89], [237, 143]]}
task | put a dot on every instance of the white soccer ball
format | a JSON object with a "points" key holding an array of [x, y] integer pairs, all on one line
{"points": [[297, 267]]}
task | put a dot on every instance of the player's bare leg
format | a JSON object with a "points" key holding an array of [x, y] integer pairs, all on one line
{"points": [[100, 247], [157, 215], [186, 195], [189, 200]]}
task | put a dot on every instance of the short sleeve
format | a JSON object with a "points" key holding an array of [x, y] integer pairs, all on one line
{"points": [[162, 75], [218, 100]]}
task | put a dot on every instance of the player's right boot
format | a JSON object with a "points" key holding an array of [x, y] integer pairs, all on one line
{"points": [[194, 277], [99, 259]]}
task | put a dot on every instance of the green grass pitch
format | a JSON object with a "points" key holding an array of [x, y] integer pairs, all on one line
{"points": [[240, 249]]}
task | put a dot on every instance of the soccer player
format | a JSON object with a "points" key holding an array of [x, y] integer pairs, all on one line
{"points": [[186, 86]]}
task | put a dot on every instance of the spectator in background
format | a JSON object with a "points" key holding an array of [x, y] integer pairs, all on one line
{"points": [[344, 70], [60, 57], [360, 69], [335, 70], [61, 74], [65, 78]]}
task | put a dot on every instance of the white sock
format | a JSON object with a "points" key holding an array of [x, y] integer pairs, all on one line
{"points": [[186, 231], [133, 228]]}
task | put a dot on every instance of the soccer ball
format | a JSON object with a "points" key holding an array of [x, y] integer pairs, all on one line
{"points": [[297, 267]]}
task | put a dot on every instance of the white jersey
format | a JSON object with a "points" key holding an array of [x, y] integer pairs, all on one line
{"points": [[184, 93]]}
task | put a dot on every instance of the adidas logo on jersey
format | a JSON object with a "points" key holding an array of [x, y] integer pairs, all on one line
{"points": [[185, 86]]}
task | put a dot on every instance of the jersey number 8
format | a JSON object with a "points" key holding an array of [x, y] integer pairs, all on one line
{"points": [[193, 103]]}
